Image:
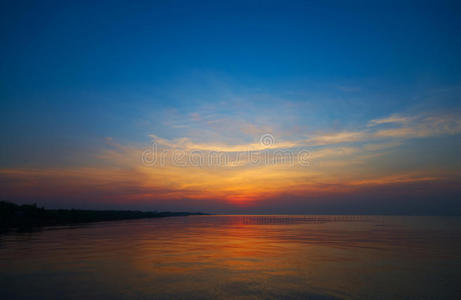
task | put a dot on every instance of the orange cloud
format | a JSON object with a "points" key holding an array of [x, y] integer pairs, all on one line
{"points": [[122, 175]]}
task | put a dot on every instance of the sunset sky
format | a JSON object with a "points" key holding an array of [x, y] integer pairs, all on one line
{"points": [[334, 107]]}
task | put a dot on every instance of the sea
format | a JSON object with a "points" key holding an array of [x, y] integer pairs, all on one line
{"points": [[237, 257]]}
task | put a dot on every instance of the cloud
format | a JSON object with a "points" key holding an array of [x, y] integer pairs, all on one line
{"points": [[337, 138], [396, 178], [394, 126], [389, 120], [343, 161], [188, 145], [423, 126]]}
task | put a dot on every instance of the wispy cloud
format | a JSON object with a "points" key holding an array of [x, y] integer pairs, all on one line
{"points": [[336, 138], [394, 126], [341, 161], [188, 145], [422, 126]]}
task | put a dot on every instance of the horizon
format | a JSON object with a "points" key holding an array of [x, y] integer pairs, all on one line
{"points": [[204, 213], [232, 108], [237, 213]]}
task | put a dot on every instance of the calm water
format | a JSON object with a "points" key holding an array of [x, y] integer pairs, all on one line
{"points": [[245, 257]]}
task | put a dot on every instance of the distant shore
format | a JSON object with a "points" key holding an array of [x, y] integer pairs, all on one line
{"points": [[27, 216]]}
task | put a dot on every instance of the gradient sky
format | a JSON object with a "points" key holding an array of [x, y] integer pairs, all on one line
{"points": [[363, 98]]}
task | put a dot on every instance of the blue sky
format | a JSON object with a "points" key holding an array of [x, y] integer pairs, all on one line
{"points": [[75, 75]]}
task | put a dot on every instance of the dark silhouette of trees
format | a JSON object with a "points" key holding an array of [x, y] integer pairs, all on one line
{"points": [[14, 215]]}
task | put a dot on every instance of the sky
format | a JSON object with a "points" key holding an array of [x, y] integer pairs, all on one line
{"points": [[232, 106]]}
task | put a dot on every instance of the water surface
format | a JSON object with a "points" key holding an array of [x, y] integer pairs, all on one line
{"points": [[238, 257]]}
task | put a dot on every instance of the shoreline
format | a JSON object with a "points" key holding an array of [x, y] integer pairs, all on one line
{"points": [[28, 216]]}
